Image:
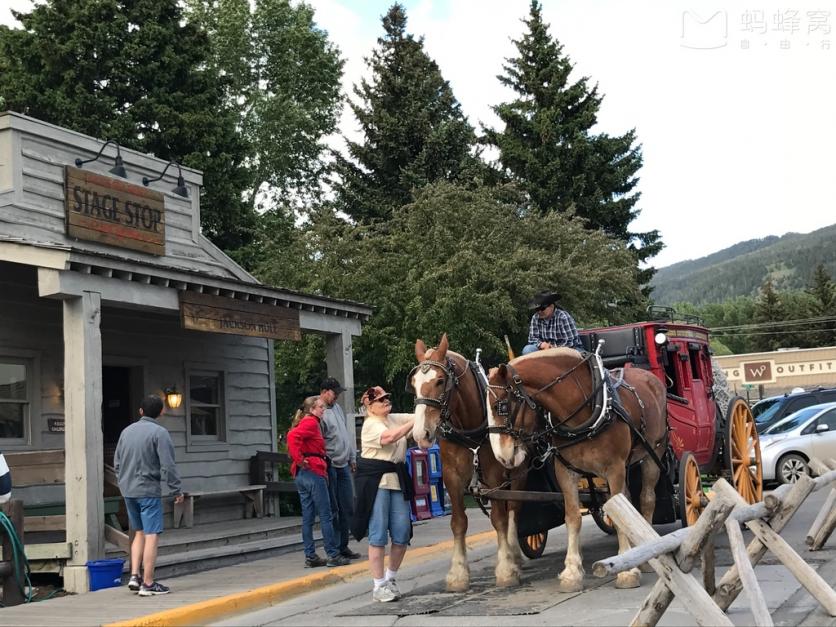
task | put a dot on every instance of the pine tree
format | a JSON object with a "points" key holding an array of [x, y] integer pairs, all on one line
{"points": [[769, 308], [549, 149], [823, 291], [414, 130], [137, 72]]}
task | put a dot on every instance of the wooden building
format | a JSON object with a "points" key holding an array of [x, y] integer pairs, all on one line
{"points": [[109, 291]]}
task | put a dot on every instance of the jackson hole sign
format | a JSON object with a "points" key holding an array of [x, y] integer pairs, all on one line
{"points": [[114, 212], [219, 314]]}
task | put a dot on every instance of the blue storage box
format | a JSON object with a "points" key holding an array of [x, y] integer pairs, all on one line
{"points": [[105, 573]]}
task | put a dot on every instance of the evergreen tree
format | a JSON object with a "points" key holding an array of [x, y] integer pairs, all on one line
{"points": [[769, 308], [414, 130], [137, 72], [549, 149], [823, 292]]}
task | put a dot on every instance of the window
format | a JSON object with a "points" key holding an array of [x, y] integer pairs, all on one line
{"points": [[14, 398], [207, 420], [829, 419]]}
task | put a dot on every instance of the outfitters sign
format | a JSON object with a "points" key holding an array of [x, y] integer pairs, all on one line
{"points": [[114, 212], [768, 371]]}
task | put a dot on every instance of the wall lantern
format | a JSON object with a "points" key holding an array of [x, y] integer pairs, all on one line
{"points": [[118, 169], [173, 398], [180, 190]]}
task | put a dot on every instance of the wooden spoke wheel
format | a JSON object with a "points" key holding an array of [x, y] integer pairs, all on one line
{"points": [[533, 546], [743, 451], [691, 497], [604, 522]]}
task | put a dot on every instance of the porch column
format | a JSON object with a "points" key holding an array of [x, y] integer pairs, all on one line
{"points": [[84, 466], [339, 359]]}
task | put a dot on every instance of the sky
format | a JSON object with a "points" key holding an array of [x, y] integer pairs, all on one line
{"points": [[733, 103]]}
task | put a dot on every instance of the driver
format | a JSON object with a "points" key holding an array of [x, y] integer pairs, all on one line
{"points": [[551, 325]]}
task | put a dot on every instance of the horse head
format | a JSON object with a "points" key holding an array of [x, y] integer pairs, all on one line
{"points": [[523, 390], [431, 381]]}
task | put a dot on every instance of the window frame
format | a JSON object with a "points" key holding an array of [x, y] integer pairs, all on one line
{"points": [[31, 423], [207, 442]]}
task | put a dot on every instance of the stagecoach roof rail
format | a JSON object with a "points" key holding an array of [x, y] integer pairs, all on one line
{"points": [[659, 313]]}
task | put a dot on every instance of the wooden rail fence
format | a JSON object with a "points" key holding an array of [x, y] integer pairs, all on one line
{"points": [[674, 555]]}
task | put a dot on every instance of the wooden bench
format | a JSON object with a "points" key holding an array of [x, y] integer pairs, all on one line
{"points": [[253, 501], [268, 468]]}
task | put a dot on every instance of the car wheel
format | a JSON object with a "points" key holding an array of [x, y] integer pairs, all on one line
{"points": [[790, 468]]}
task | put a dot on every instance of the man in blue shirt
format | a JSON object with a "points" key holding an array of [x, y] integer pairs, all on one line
{"points": [[551, 326]]}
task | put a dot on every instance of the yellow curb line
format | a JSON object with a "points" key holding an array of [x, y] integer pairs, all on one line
{"points": [[207, 611]]}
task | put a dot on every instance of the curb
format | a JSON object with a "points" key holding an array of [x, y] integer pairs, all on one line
{"points": [[213, 609]]}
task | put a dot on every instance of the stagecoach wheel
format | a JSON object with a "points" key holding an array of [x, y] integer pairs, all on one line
{"points": [[603, 521], [691, 497], [533, 546], [743, 451]]}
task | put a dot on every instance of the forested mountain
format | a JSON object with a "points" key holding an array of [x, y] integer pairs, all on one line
{"points": [[740, 270]]}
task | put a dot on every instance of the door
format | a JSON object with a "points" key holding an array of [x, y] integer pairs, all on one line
{"points": [[823, 444], [118, 411]]}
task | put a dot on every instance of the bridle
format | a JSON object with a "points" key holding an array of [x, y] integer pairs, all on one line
{"points": [[517, 398], [471, 438]]}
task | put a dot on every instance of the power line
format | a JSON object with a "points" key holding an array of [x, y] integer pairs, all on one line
{"points": [[776, 323]]}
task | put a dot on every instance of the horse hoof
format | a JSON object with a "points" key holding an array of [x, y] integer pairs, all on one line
{"points": [[628, 580], [571, 585], [508, 581], [458, 585], [646, 568]]}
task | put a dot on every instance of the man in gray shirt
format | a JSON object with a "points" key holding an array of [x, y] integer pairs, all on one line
{"points": [[144, 457], [342, 450]]}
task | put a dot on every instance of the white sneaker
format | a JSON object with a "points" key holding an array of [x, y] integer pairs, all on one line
{"points": [[393, 586], [384, 594]]}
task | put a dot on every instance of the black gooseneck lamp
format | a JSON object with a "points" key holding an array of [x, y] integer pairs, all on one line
{"points": [[180, 190], [118, 169]]}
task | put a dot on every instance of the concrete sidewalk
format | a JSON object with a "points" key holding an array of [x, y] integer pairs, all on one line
{"points": [[192, 597]]}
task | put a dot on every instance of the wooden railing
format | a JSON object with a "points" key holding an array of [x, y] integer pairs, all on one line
{"points": [[674, 556]]}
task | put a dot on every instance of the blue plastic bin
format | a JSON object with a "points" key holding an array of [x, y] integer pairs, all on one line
{"points": [[105, 573]]}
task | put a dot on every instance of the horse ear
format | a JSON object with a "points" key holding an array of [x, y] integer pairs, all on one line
{"points": [[420, 350], [443, 345]]}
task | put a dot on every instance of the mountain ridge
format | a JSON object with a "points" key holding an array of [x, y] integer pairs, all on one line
{"points": [[740, 270]]}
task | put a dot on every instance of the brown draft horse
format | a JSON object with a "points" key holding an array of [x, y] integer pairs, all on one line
{"points": [[449, 405], [558, 387]]}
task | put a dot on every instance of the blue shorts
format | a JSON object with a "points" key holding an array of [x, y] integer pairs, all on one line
{"points": [[145, 514], [390, 516]]}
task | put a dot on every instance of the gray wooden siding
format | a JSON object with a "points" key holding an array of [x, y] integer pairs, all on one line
{"points": [[28, 322], [36, 210]]}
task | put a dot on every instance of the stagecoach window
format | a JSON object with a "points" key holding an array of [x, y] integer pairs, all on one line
{"points": [[14, 398], [206, 407], [694, 356]]}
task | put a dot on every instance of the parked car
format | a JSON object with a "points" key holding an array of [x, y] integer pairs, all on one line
{"points": [[770, 410], [788, 445]]}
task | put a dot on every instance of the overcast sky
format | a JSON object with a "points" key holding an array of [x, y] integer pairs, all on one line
{"points": [[733, 102]]}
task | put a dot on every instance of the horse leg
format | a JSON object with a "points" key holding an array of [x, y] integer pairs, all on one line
{"points": [[455, 478], [616, 481], [571, 578], [647, 502], [514, 508], [507, 571]]}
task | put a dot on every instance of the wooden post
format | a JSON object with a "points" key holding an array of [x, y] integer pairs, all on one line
{"points": [[747, 574], [83, 436], [708, 566], [12, 586], [730, 585], [802, 571], [683, 585], [339, 361], [654, 605], [710, 520], [825, 521]]}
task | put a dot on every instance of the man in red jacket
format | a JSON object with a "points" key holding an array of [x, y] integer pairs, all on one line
{"points": [[306, 447]]}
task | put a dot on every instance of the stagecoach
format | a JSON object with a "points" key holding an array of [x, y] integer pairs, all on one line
{"points": [[706, 441]]}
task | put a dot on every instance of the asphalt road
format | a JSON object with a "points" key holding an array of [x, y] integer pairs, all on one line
{"points": [[538, 602]]}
